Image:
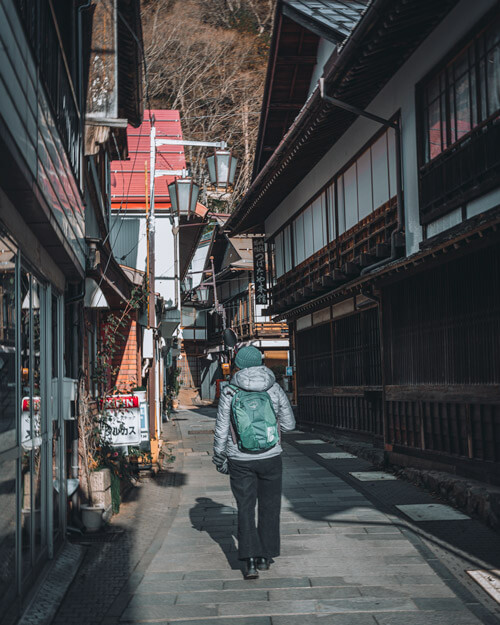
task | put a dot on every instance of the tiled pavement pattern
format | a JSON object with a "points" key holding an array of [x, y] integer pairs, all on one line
{"points": [[347, 558], [115, 558], [45, 604]]}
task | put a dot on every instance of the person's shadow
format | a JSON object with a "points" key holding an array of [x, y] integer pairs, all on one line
{"points": [[217, 520]]}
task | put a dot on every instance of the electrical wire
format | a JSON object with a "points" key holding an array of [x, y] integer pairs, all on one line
{"points": [[124, 256]]}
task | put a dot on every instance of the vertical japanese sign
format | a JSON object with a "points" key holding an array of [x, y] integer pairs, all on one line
{"points": [[259, 270]]}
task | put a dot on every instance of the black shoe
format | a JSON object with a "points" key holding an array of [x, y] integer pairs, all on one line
{"points": [[263, 564], [250, 569]]}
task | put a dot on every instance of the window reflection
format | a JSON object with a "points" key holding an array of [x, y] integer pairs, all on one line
{"points": [[31, 420], [463, 94], [7, 346], [7, 525], [8, 416]]}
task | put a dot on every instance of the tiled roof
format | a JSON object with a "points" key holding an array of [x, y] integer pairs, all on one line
{"points": [[243, 247], [128, 178], [339, 16]]}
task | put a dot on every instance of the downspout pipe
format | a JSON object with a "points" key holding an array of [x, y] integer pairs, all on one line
{"points": [[333, 69], [395, 125], [81, 99]]}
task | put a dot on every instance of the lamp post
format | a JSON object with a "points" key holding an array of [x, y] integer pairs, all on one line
{"points": [[222, 168], [183, 197], [221, 165], [219, 308], [202, 293]]}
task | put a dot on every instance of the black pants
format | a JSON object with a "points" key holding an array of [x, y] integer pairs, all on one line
{"points": [[259, 481]]}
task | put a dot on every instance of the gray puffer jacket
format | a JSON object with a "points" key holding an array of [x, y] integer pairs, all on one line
{"points": [[251, 379]]}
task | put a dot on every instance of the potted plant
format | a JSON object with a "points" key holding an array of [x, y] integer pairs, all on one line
{"points": [[172, 390]]}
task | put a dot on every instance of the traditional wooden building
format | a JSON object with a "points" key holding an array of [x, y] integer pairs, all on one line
{"points": [[70, 82], [176, 236], [376, 184], [202, 327]]}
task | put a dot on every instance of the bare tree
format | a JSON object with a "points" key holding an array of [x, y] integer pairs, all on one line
{"points": [[211, 68]]}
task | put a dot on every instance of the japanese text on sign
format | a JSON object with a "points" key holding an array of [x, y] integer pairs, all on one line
{"points": [[259, 270], [122, 425]]}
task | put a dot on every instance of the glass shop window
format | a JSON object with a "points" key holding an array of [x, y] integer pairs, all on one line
{"points": [[8, 327]]}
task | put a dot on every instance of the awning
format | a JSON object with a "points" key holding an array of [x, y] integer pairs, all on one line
{"points": [[216, 349], [94, 297]]}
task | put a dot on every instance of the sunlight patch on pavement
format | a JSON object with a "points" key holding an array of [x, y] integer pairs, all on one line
{"points": [[372, 476], [311, 442], [489, 581], [432, 512], [336, 455]]}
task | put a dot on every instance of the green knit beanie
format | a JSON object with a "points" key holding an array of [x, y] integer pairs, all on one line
{"points": [[248, 357]]}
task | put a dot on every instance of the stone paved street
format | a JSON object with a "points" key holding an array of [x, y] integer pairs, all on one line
{"points": [[347, 557], [343, 559]]}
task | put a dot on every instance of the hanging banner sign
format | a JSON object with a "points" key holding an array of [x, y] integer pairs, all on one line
{"points": [[143, 410], [122, 425], [30, 437], [259, 270]]}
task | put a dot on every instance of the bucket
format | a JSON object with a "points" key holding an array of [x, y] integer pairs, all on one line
{"points": [[92, 517]]}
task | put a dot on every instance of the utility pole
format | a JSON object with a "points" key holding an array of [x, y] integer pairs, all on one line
{"points": [[151, 294]]}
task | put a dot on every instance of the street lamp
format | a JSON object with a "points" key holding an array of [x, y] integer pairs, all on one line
{"points": [[183, 196], [222, 168], [202, 293]]}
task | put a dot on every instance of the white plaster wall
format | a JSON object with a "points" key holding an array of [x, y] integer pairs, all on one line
{"points": [[325, 49], [399, 93], [164, 258], [131, 239], [198, 264]]}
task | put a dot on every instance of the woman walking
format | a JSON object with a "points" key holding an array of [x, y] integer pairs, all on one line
{"points": [[253, 411]]}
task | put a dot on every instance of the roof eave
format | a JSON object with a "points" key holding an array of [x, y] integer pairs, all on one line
{"points": [[247, 218]]}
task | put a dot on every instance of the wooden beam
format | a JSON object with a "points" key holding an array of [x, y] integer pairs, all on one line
{"points": [[296, 60], [365, 260], [382, 250], [285, 106], [351, 269]]}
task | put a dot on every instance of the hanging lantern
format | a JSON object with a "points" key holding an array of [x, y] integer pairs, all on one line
{"points": [[203, 294], [222, 168], [183, 196]]}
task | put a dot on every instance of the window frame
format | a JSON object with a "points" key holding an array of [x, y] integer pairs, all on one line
{"points": [[471, 38], [334, 180]]}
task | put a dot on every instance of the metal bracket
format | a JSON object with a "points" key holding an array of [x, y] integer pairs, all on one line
{"points": [[206, 144], [172, 172]]}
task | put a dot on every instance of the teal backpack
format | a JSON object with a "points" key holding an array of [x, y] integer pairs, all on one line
{"points": [[254, 421]]}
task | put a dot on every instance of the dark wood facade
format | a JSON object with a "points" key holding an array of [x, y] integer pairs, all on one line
{"points": [[442, 360], [426, 382], [394, 313]]}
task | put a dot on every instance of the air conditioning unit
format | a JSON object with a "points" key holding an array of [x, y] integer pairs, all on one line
{"points": [[69, 398]]}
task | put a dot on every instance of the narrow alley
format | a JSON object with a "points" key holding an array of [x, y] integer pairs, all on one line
{"points": [[349, 556]]}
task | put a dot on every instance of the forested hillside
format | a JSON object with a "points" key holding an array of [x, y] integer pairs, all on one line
{"points": [[208, 59]]}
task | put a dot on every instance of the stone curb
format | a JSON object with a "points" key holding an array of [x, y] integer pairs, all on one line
{"points": [[471, 496]]}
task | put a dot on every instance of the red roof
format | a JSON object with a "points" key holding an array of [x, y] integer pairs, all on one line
{"points": [[128, 179]]}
